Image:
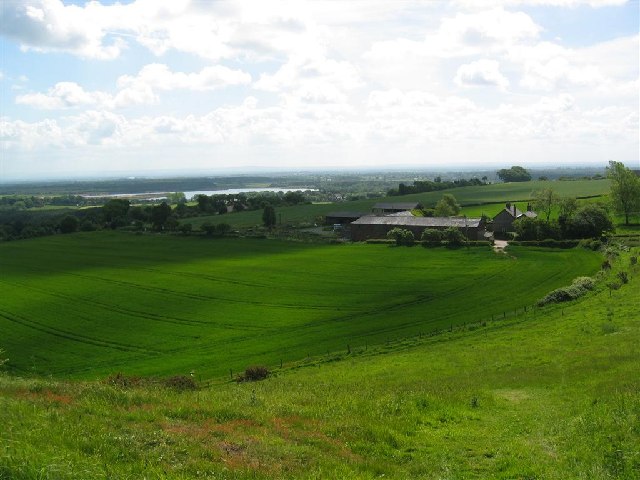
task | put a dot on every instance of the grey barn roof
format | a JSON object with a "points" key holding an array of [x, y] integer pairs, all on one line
{"points": [[397, 206], [426, 222], [346, 214]]}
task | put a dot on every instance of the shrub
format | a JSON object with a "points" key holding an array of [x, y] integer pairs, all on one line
{"points": [[453, 237], [254, 373], [401, 236], [181, 383], [590, 244], [121, 380], [633, 260], [578, 288], [431, 235], [624, 277]]}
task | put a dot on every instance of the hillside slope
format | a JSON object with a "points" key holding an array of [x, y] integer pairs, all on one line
{"points": [[103, 302], [554, 395]]}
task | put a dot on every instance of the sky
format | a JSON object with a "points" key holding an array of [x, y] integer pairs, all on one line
{"points": [[178, 86]]}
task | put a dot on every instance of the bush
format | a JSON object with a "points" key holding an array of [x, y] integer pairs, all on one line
{"points": [[624, 277], [254, 373], [181, 383], [633, 260], [401, 236], [578, 288], [590, 244], [431, 236], [548, 243], [121, 380], [453, 237]]}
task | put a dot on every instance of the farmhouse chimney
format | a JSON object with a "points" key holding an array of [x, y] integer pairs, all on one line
{"points": [[528, 207], [508, 206]]}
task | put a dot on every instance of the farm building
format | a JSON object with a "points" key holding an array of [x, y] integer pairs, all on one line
{"points": [[503, 221], [373, 226], [386, 208], [342, 218]]}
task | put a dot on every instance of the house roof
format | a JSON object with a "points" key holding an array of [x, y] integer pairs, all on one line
{"points": [[515, 213], [425, 222], [397, 206]]}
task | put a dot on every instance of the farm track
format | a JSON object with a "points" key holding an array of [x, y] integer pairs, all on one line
{"points": [[137, 313], [56, 332]]}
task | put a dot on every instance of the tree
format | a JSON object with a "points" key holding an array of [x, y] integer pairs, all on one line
{"points": [[447, 206], [544, 201], [567, 206], [115, 209], [69, 224], [269, 216], [514, 174], [625, 189], [159, 215], [589, 221]]}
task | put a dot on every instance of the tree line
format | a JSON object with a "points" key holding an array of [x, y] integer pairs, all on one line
{"points": [[422, 186]]}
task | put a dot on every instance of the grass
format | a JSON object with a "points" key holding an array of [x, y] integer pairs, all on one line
{"points": [[552, 394], [151, 304]]}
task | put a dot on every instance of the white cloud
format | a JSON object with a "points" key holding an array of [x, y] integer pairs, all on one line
{"points": [[137, 90], [481, 73], [469, 33], [49, 25], [540, 3], [63, 95], [159, 77]]}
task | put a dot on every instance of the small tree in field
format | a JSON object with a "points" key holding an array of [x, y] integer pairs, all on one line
{"points": [[625, 189], [544, 201], [447, 206]]}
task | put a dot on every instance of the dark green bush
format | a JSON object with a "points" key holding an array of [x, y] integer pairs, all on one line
{"points": [[254, 373], [182, 383]]}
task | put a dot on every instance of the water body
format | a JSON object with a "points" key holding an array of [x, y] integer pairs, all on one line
{"points": [[191, 194], [233, 191]]}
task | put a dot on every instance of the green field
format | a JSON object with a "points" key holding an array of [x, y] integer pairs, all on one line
{"points": [[495, 195], [89, 304], [551, 394]]}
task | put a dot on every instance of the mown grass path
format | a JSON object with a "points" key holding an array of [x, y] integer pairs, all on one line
{"points": [[95, 303]]}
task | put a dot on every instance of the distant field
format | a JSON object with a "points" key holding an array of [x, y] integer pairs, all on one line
{"points": [[495, 194], [93, 303]]}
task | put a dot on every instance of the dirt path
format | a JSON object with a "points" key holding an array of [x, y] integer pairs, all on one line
{"points": [[500, 245]]}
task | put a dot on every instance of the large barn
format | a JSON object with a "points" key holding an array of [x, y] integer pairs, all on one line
{"points": [[373, 226]]}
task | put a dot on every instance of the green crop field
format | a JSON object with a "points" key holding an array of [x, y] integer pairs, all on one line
{"points": [[552, 394], [488, 194], [89, 304]]}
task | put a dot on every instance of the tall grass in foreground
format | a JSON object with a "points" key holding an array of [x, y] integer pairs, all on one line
{"points": [[554, 395]]}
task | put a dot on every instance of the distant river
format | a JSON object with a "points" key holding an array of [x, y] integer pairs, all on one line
{"points": [[190, 194], [233, 191]]}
